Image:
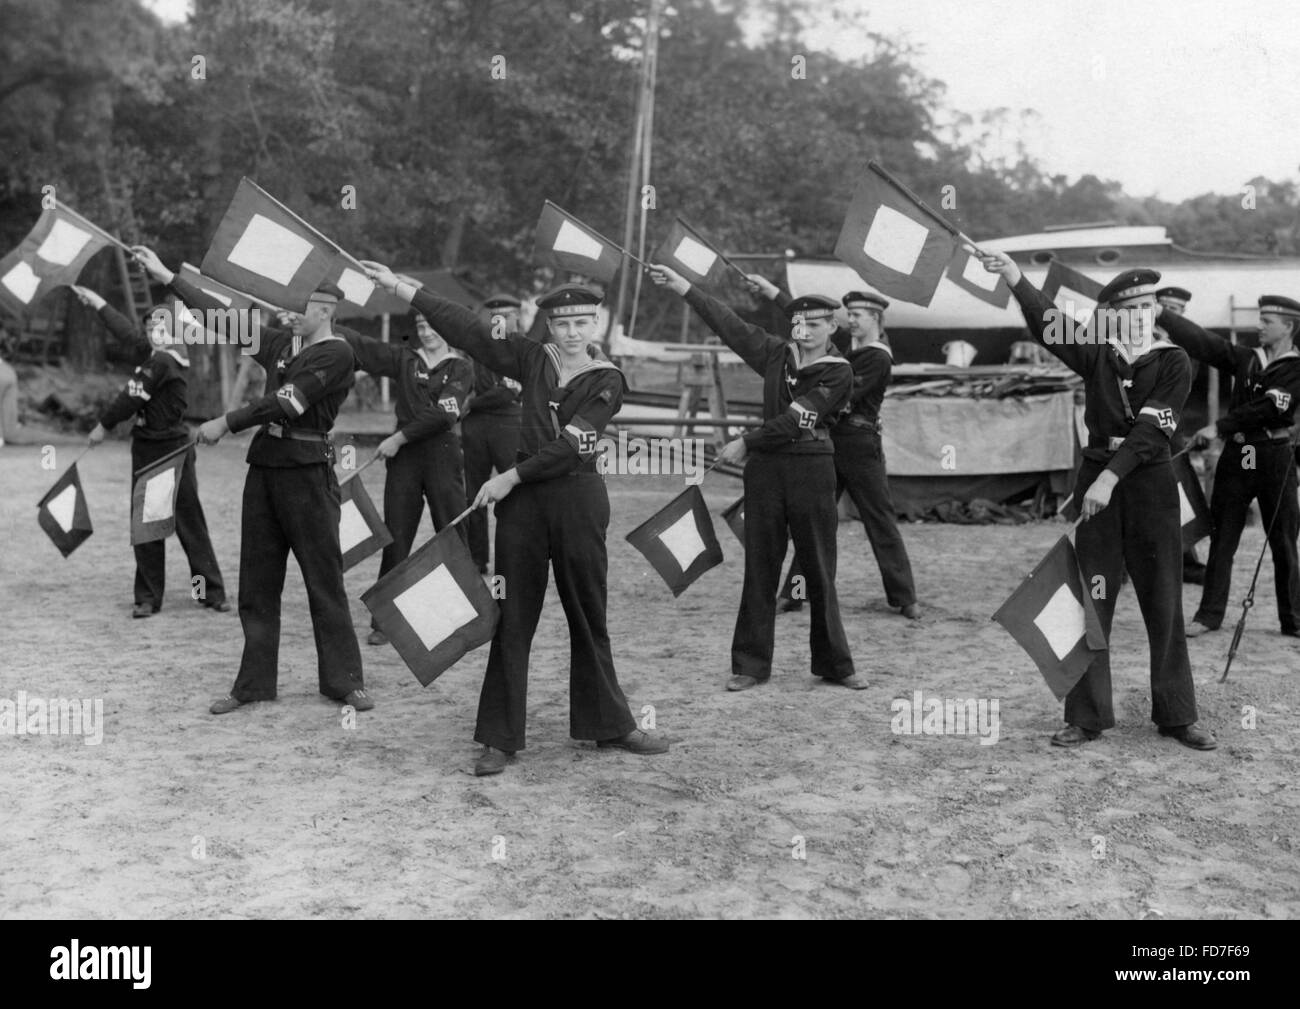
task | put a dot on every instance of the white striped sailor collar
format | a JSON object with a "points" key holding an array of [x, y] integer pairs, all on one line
{"points": [[793, 351], [1262, 356], [553, 354], [1136, 361], [184, 362], [873, 345]]}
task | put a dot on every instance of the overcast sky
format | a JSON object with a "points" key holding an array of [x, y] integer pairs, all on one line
{"points": [[1170, 97]]}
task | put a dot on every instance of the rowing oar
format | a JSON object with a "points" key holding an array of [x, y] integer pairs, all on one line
{"points": [[1249, 601]]}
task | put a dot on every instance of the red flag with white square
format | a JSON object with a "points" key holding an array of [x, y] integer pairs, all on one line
{"points": [[563, 241], [894, 245], [265, 249], [734, 516], [153, 497], [53, 254], [63, 514], [968, 273], [689, 254], [679, 541], [1072, 292], [361, 530], [1052, 618], [1193, 511], [434, 607]]}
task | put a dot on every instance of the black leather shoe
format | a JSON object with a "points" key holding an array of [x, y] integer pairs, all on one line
{"points": [[1191, 735], [226, 704], [221, 607], [741, 683], [912, 611], [376, 637], [141, 610], [1293, 633], [636, 741], [1074, 735], [492, 761], [359, 700], [854, 682], [789, 605]]}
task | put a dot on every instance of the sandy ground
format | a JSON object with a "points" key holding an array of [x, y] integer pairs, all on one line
{"points": [[283, 810]]}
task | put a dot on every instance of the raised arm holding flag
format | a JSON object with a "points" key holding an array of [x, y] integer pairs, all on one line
{"points": [[789, 479], [1135, 385], [552, 509], [291, 495]]}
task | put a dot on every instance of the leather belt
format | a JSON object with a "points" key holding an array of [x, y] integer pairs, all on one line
{"points": [[866, 423], [297, 434], [1277, 434]]}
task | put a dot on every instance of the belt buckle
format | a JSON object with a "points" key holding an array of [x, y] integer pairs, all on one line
{"points": [[1114, 442], [275, 430]]}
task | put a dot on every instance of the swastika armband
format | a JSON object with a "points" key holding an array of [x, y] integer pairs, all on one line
{"points": [[291, 400], [582, 436], [1281, 399], [1161, 416], [135, 389], [806, 415], [450, 405]]}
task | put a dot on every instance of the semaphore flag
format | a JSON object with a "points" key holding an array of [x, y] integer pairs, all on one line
{"points": [[1051, 616], [1193, 512], [897, 247], [153, 497], [361, 530], [734, 516], [679, 541], [224, 293], [265, 249], [566, 243], [968, 273], [53, 254], [1071, 292], [686, 251], [63, 514], [434, 607], [362, 292]]}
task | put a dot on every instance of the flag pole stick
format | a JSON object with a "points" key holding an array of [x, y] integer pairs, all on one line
{"points": [[72, 465], [921, 205], [361, 469], [1249, 601], [721, 255], [586, 227], [91, 224], [459, 518], [164, 458]]}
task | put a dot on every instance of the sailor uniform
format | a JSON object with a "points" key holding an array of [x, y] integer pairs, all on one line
{"points": [[157, 396], [291, 502], [790, 487], [1131, 411], [430, 403], [1256, 464], [557, 517], [490, 435]]}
